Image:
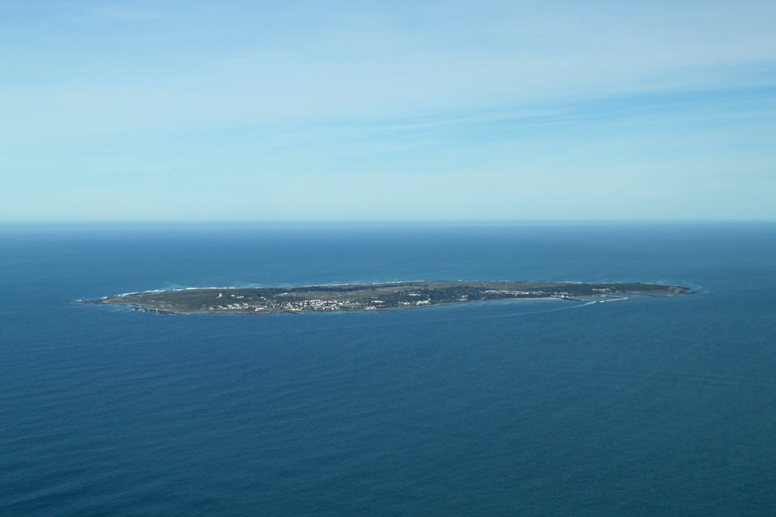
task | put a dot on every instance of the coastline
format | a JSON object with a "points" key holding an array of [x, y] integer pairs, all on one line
{"points": [[382, 296]]}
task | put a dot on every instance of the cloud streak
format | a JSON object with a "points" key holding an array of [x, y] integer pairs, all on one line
{"points": [[303, 97]]}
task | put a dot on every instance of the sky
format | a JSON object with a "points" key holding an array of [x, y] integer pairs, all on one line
{"points": [[358, 110]]}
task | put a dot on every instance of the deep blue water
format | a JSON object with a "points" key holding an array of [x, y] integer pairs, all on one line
{"points": [[650, 406]]}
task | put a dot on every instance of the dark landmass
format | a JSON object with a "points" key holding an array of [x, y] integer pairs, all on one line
{"points": [[265, 300]]}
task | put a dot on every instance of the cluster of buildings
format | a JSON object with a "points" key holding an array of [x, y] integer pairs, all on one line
{"points": [[296, 305], [304, 305]]}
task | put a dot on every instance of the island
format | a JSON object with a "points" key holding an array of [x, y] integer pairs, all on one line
{"points": [[350, 297]]}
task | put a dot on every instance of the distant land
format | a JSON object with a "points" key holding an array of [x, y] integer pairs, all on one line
{"points": [[349, 297]]}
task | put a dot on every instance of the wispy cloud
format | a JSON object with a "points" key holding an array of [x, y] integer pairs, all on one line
{"points": [[565, 89]]}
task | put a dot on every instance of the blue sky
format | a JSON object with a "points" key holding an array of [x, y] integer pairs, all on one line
{"points": [[237, 110]]}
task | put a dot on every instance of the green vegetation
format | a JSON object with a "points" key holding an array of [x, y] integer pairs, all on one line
{"points": [[367, 296]]}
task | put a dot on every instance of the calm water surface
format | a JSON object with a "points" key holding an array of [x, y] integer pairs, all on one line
{"points": [[650, 406]]}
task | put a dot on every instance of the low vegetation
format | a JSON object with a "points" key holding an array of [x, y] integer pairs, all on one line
{"points": [[368, 296]]}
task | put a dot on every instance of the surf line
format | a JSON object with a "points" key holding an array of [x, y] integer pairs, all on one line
{"points": [[612, 300], [583, 304], [589, 302]]}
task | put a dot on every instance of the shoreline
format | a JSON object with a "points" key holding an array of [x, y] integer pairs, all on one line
{"points": [[141, 308]]}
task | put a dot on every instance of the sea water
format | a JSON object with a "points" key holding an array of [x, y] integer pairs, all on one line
{"points": [[647, 406]]}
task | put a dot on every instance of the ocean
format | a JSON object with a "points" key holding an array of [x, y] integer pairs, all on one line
{"points": [[648, 406]]}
